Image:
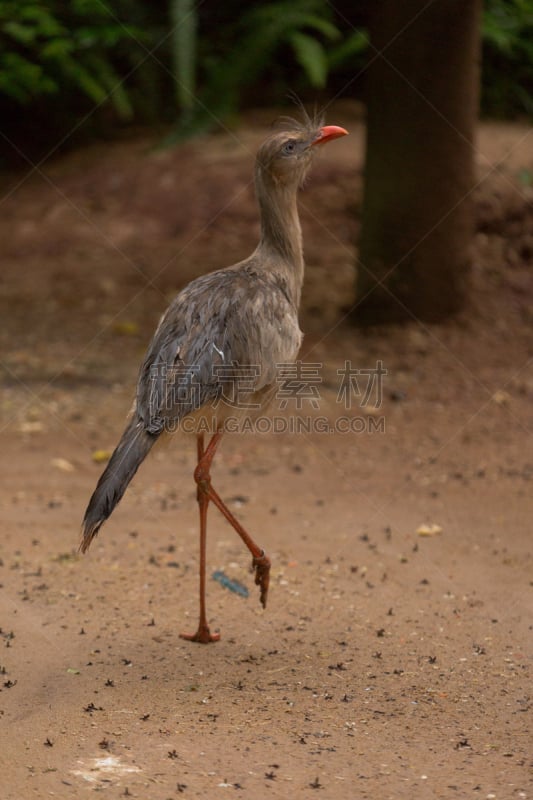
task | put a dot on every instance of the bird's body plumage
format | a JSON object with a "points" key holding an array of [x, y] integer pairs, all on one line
{"points": [[239, 316], [244, 317]]}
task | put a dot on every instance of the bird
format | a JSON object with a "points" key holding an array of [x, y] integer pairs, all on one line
{"points": [[242, 321]]}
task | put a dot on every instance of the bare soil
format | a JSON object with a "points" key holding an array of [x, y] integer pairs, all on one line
{"points": [[389, 663]]}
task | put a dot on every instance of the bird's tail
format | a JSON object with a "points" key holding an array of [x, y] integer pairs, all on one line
{"points": [[130, 452]]}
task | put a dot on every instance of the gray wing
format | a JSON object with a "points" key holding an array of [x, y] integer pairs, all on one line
{"points": [[229, 318]]}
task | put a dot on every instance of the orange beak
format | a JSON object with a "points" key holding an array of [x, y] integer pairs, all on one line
{"points": [[328, 133]]}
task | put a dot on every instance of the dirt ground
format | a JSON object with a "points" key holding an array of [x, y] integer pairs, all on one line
{"points": [[392, 660]]}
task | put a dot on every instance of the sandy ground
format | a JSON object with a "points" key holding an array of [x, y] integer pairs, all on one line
{"points": [[392, 660]]}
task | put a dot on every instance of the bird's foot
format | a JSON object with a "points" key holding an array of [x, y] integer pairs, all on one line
{"points": [[261, 565], [203, 635]]}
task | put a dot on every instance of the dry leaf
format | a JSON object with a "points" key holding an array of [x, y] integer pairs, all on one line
{"points": [[62, 464], [126, 328], [501, 398], [101, 456], [31, 427], [429, 530]]}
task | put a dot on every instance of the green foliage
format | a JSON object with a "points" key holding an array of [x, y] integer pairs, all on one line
{"points": [[305, 26], [507, 84], [273, 38], [184, 18], [48, 48], [349, 51], [311, 56], [202, 62]]}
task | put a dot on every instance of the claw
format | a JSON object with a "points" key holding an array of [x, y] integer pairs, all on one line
{"points": [[261, 565], [202, 635]]}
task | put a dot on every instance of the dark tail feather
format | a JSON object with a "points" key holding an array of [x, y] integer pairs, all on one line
{"points": [[130, 452]]}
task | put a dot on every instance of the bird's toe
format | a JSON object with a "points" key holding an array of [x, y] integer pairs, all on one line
{"points": [[261, 565]]}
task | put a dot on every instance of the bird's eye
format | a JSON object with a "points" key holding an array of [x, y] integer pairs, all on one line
{"points": [[289, 148]]}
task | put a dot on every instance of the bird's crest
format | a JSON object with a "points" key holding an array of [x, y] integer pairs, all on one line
{"points": [[306, 126]]}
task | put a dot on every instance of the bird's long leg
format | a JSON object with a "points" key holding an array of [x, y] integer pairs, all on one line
{"points": [[203, 634], [260, 561]]}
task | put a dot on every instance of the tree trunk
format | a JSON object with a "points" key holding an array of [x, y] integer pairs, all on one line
{"points": [[417, 220]]}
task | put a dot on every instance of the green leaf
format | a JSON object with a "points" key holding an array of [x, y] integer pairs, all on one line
{"points": [[22, 80], [41, 19], [324, 26], [312, 57], [85, 81], [184, 34], [20, 33], [351, 47], [114, 85], [57, 49]]}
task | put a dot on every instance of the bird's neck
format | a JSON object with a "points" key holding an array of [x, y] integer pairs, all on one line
{"points": [[281, 235]]}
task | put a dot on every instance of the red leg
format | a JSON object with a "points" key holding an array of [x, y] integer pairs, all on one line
{"points": [[203, 634], [260, 561], [205, 493]]}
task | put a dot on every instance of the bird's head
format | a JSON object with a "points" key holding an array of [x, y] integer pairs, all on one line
{"points": [[285, 157]]}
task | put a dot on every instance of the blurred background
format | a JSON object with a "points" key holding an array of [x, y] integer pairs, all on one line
{"points": [[192, 65], [396, 639], [415, 77], [128, 132]]}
